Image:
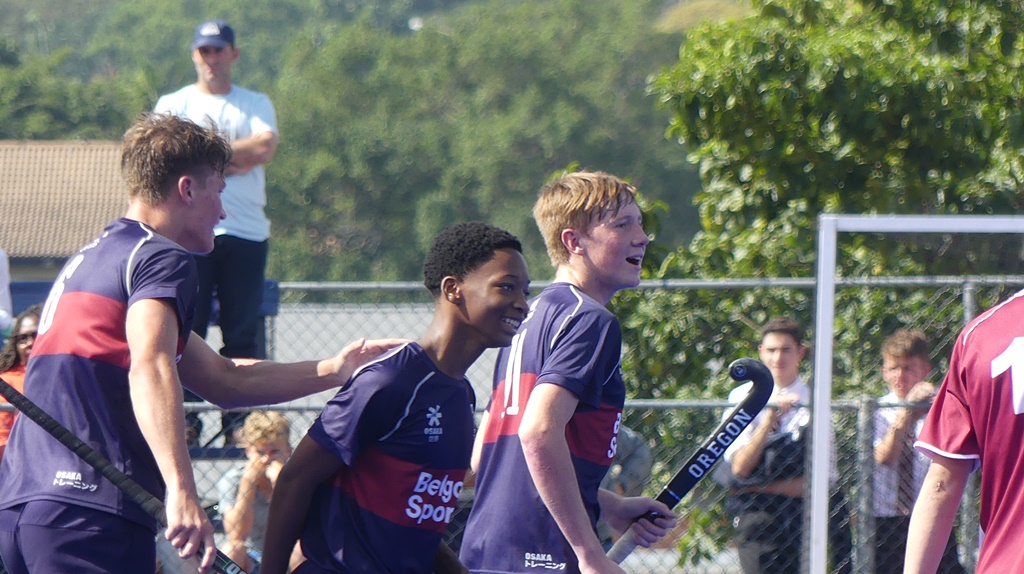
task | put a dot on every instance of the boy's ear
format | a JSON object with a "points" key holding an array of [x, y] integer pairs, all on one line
{"points": [[184, 188], [450, 289], [571, 241]]}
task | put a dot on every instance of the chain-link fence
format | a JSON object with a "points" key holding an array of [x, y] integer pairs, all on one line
{"points": [[315, 320], [703, 540]]}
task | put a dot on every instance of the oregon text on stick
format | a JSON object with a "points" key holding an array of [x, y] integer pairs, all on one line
{"points": [[716, 445]]}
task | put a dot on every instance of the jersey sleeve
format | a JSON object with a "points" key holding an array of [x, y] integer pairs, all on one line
{"points": [[585, 356], [359, 413], [948, 430], [164, 273]]}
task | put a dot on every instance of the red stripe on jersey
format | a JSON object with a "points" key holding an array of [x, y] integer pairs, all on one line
{"points": [[591, 434], [402, 492], [505, 416], [87, 325]]}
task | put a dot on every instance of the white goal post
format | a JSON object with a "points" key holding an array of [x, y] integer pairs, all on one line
{"points": [[829, 226]]}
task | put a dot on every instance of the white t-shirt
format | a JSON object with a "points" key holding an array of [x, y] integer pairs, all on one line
{"points": [[239, 114], [793, 422], [886, 477]]}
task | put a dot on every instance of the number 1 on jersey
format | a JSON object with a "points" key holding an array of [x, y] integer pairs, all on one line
{"points": [[1012, 359]]}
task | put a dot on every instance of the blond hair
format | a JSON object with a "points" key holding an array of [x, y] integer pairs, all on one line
{"points": [[265, 426], [575, 201]]}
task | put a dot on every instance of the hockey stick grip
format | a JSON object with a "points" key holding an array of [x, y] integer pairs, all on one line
{"points": [[134, 491], [699, 464]]}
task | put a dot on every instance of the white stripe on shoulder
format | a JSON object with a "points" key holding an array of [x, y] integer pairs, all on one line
{"points": [[131, 257], [987, 314], [561, 328], [408, 405], [930, 450], [383, 357]]}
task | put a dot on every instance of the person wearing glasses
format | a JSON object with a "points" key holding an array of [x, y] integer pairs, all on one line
{"points": [[13, 360]]}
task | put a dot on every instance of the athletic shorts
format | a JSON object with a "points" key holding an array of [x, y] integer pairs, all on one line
{"points": [[44, 536]]}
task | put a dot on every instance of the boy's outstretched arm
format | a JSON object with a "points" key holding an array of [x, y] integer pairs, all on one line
{"points": [[310, 465]]}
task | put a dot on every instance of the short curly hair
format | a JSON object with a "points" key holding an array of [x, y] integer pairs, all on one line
{"points": [[265, 425], [462, 248]]}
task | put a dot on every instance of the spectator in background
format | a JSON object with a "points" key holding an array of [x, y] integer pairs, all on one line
{"points": [[234, 270], [6, 307], [764, 467], [899, 469], [13, 361], [245, 490]]}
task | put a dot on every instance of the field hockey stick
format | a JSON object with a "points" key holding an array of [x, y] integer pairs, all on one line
{"points": [[704, 458], [139, 495]]}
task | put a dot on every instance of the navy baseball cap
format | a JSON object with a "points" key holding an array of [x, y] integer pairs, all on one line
{"points": [[215, 33]]}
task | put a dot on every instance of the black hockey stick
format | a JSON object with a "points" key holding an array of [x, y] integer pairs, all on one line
{"points": [[704, 458], [153, 506]]}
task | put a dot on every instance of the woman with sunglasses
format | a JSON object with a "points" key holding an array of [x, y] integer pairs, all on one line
{"points": [[13, 360]]}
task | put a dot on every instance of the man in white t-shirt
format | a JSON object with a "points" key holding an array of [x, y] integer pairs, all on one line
{"points": [[234, 270]]}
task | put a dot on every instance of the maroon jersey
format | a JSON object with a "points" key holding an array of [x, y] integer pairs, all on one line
{"points": [[977, 416]]}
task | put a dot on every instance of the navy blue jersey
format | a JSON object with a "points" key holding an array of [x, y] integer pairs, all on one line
{"points": [[571, 340], [78, 372], [404, 431]]}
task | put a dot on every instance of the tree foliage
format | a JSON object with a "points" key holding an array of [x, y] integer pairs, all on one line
{"points": [[832, 106], [388, 138], [388, 133], [829, 106], [37, 102]]}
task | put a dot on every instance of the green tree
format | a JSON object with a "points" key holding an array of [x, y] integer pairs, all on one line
{"points": [[829, 106], [37, 102], [832, 106], [386, 139]]}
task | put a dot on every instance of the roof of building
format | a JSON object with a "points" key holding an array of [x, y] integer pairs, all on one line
{"points": [[55, 196]]}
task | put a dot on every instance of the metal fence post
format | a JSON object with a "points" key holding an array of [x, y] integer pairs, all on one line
{"points": [[864, 553], [969, 503]]}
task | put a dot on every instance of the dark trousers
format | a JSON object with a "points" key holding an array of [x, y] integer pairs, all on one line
{"points": [[769, 542], [234, 271], [769, 535], [891, 547]]}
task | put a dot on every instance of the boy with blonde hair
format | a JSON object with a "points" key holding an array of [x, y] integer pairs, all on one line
{"points": [[549, 434], [245, 490]]}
